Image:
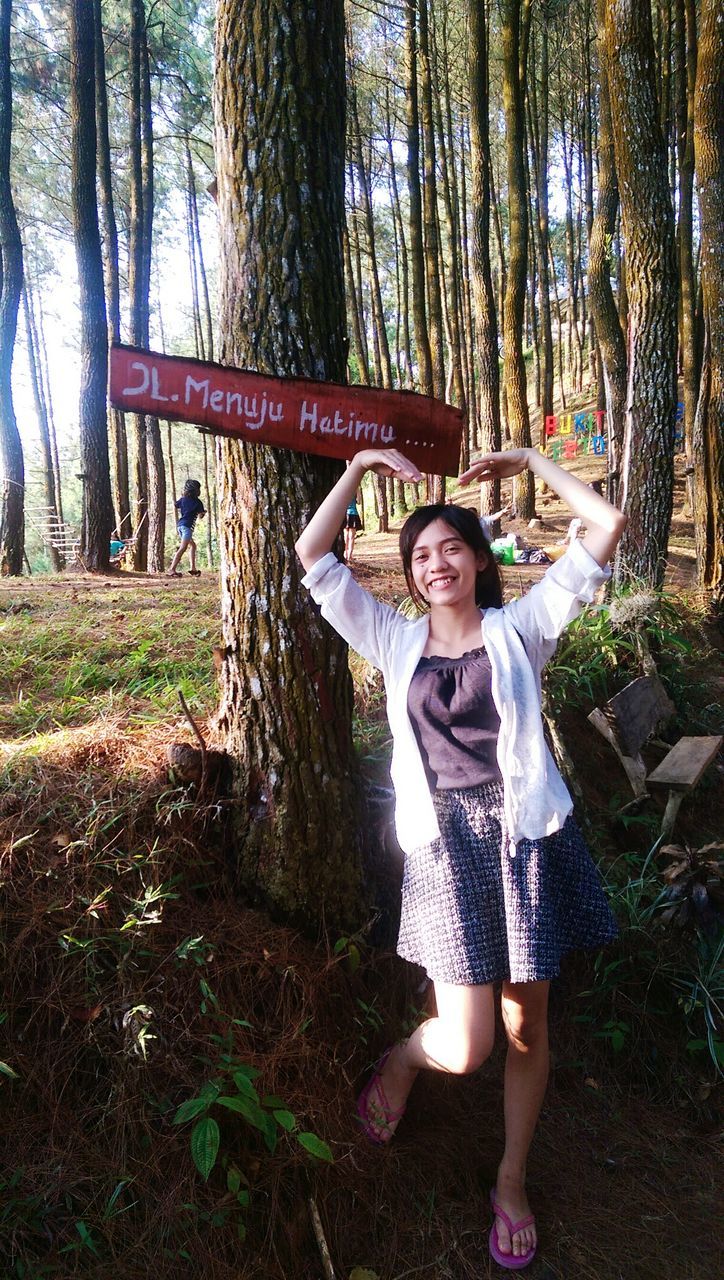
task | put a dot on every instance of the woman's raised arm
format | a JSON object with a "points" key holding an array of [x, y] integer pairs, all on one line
{"points": [[318, 537], [604, 522]]}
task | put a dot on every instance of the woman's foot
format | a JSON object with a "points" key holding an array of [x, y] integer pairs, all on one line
{"points": [[510, 1196], [381, 1104], [174, 573]]}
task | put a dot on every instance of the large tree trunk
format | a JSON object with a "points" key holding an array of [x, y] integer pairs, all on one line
{"points": [[686, 83], [155, 469], [539, 119], [286, 689], [513, 363], [429, 206], [648, 236], [51, 523], [417, 250], [98, 517], [605, 313], [116, 417], [709, 432], [483, 293], [12, 469]]}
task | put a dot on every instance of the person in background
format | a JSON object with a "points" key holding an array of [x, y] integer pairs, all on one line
{"points": [[352, 525], [487, 522], [189, 507]]}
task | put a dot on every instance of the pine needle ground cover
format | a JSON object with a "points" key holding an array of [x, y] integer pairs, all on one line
{"points": [[177, 1070]]}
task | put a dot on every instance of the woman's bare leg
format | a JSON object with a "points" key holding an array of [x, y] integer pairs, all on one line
{"points": [[457, 1040], [525, 1017], [175, 562], [192, 545]]}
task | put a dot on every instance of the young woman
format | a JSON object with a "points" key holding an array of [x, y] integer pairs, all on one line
{"points": [[498, 883], [189, 507]]}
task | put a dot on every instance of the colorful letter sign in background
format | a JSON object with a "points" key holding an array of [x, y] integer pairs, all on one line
{"points": [[288, 413], [571, 435]]}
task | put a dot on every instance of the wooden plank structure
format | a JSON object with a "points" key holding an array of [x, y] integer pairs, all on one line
{"points": [[628, 720]]}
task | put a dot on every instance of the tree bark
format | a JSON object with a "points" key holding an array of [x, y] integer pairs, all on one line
{"points": [[648, 236], [116, 417], [155, 469], [12, 474], [482, 277], [611, 341], [690, 345], [138, 296], [429, 204], [417, 253], [286, 690], [538, 120], [56, 560], [513, 363], [708, 433], [98, 516]]}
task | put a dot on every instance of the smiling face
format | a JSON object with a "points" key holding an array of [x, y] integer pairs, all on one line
{"points": [[444, 566]]}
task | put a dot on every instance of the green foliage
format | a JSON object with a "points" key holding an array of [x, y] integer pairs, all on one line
{"points": [[233, 1089]]}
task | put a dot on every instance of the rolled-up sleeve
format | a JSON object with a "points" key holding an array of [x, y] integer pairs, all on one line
{"points": [[366, 624], [545, 611]]}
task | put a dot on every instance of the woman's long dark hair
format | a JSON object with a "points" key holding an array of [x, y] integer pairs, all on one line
{"points": [[465, 523]]}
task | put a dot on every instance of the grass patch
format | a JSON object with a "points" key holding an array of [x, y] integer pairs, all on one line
{"points": [[84, 654]]}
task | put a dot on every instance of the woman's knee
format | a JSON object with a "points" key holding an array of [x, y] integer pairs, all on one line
{"points": [[461, 1051], [526, 1028]]}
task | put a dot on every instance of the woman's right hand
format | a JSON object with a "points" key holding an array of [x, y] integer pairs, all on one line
{"points": [[388, 462]]}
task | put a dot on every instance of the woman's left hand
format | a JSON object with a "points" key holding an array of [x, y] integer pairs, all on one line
{"points": [[496, 466]]}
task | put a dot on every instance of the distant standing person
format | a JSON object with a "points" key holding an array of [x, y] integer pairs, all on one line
{"points": [[189, 507], [352, 525]]}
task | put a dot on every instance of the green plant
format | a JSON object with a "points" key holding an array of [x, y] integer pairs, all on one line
{"points": [[232, 1088]]}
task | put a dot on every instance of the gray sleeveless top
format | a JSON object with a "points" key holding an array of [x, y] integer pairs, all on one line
{"points": [[456, 725]]}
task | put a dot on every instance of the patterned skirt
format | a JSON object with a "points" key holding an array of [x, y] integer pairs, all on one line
{"points": [[472, 914]]}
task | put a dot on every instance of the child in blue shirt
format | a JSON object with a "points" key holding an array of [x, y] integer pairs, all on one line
{"points": [[189, 507]]}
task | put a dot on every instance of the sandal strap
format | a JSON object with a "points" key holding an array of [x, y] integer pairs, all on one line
{"points": [[513, 1227]]}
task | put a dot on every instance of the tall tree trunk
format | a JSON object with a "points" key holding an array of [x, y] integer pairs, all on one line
{"points": [[378, 313], [538, 129], [608, 328], [286, 689], [648, 235], [109, 244], [48, 398], [417, 252], [447, 162], [429, 203], [514, 39], [708, 433], [41, 414], [136, 262], [354, 307], [404, 264], [12, 467], [98, 516], [154, 452], [686, 84], [482, 278]]}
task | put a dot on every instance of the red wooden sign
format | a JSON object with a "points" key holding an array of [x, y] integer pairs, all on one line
{"points": [[289, 413]]}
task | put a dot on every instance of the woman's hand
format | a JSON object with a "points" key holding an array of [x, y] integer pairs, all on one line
{"points": [[497, 466], [388, 462]]}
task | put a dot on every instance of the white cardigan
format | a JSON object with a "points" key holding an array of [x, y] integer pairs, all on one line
{"points": [[519, 638]]}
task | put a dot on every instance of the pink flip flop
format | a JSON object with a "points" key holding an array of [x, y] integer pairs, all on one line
{"points": [[511, 1261], [377, 1118]]}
